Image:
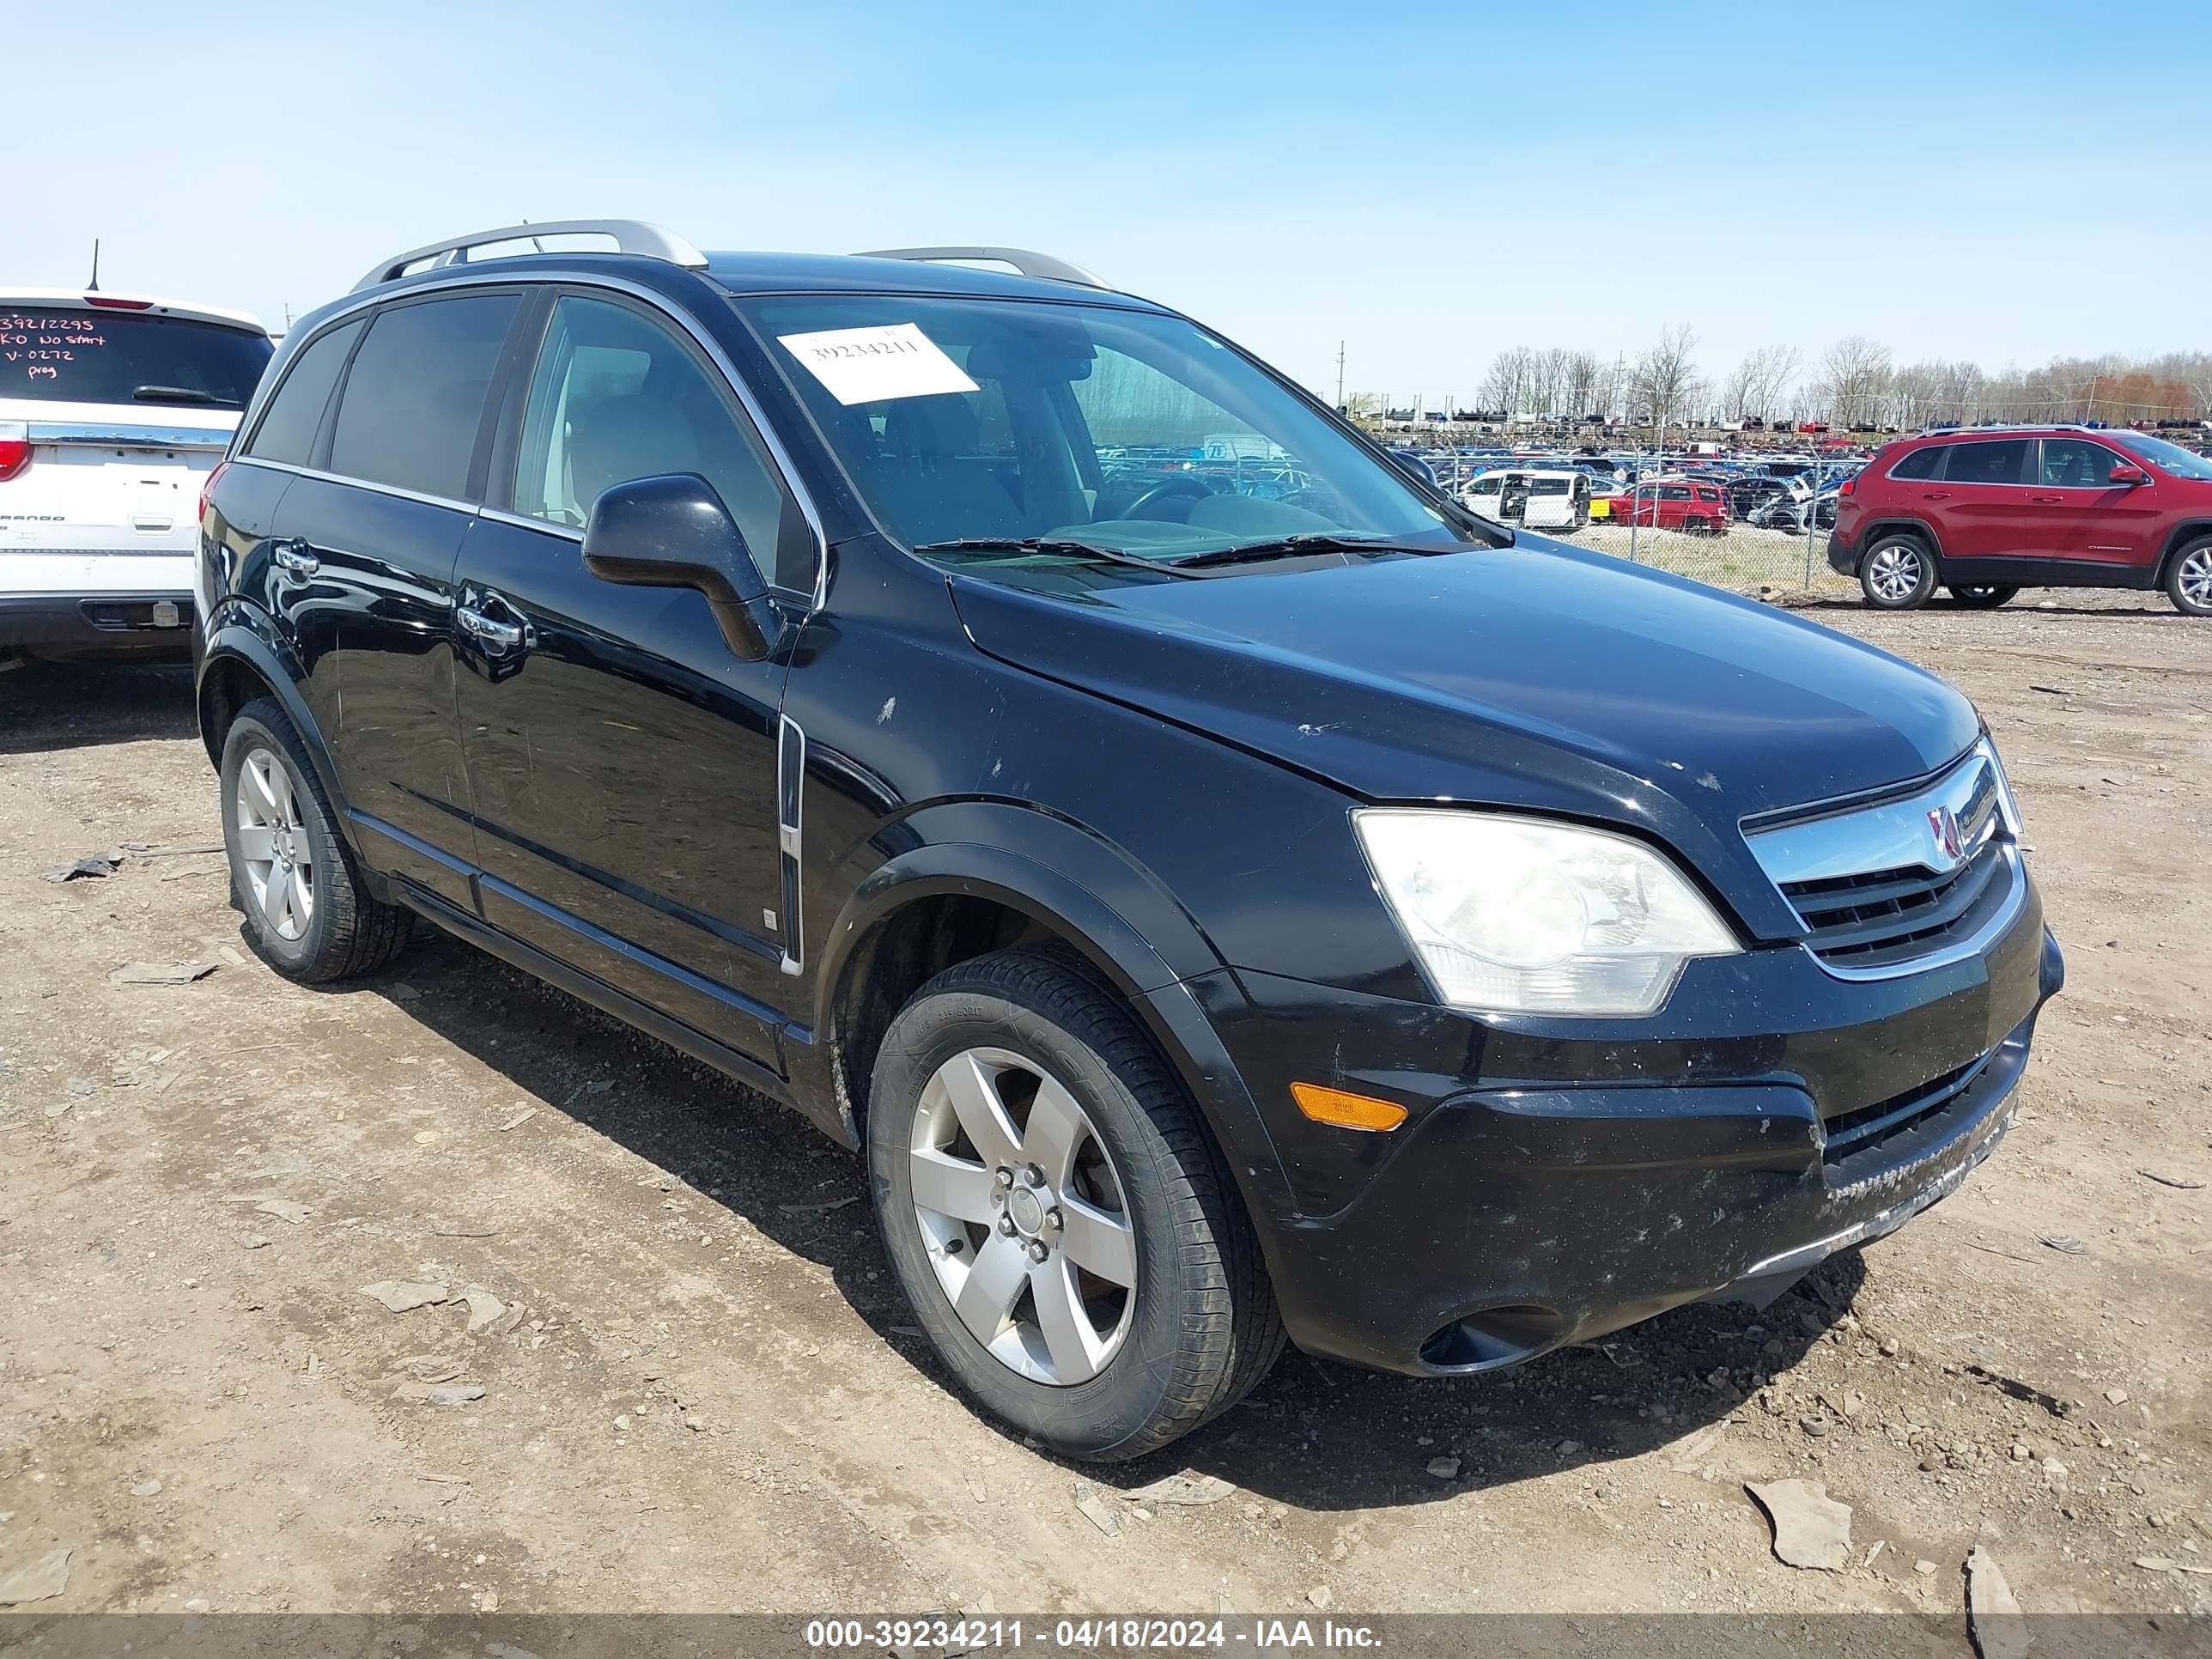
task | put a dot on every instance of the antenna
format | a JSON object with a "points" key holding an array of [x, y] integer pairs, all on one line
{"points": [[92, 287]]}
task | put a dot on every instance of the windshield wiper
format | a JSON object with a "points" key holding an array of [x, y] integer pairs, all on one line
{"points": [[174, 394], [1063, 547], [1292, 547]]}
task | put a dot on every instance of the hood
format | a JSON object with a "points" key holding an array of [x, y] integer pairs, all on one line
{"points": [[1534, 676]]}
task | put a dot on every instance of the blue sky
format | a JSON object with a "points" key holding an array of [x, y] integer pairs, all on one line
{"points": [[1429, 182]]}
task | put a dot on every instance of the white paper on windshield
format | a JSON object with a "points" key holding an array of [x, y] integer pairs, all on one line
{"points": [[864, 365]]}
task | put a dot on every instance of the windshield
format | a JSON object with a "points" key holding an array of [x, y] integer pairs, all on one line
{"points": [[1000, 421], [84, 356], [2166, 457]]}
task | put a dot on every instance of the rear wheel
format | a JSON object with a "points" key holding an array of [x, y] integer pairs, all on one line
{"points": [[1058, 1215], [1979, 598], [1897, 574], [308, 914], [2189, 578]]}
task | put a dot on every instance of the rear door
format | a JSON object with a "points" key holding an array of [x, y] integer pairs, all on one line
{"points": [[1980, 507], [2082, 517], [361, 577], [622, 762]]}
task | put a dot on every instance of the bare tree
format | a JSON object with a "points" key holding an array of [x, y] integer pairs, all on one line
{"points": [[1665, 381], [1585, 374], [1855, 374]]}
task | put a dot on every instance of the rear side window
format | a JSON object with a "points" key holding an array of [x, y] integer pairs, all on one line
{"points": [[412, 402], [1998, 463], [295, 416], [91, 356], [1921, 463]]}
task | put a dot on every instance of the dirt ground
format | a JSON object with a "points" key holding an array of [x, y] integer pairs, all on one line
{"points": [[711, 1398]]}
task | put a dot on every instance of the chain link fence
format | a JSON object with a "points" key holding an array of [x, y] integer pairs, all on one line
{"points": [[1740, 555]]}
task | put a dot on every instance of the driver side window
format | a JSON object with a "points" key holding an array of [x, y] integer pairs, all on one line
{"points": [[616, 398]]}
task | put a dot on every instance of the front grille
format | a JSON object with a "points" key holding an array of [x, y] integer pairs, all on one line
{"points": [[1864, 1142], [1895, 916], [1875, 887]]}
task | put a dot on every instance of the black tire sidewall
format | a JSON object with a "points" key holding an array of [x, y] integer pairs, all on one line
{"points": [[1929, 574], [1119, 1406], [299, 958], [2173, 578]]}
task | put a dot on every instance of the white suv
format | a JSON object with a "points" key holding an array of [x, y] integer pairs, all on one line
{"points": [[113, 410]]}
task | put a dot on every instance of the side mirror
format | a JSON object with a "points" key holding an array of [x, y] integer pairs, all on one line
{"points": [[673, 531], [2124, 474]]}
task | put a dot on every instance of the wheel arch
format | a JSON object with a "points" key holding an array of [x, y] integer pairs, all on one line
{"points": [[2188, 531], [238, 664], [940, 903], [1901, 524]]}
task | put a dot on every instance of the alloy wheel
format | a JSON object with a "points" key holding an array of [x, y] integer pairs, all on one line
{"points": [[1895, 574], [273, 845], [1024, 1216], [2195, 579]]}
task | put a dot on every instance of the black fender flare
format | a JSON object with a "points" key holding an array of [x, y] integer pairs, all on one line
{"points": [[241, 634], [1896, 522], [1114, 913]]}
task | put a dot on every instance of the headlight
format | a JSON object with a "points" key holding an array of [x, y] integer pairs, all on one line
{"points": [[2007, 808], [1519, 915]]}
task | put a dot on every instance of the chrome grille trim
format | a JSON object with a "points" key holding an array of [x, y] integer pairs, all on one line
{"points": [[1847, 872]]}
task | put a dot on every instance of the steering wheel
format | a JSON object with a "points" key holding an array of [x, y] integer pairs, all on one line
{"points": [[1167, 489]]}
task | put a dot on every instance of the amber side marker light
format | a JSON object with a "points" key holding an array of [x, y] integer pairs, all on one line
{"points": [[1346, 1110]]}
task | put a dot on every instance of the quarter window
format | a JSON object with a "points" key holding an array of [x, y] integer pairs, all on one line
{"points": [[415, 396], [288, 431], [2003, 462], [1921, 463], [2077, 463], [617, 398]]}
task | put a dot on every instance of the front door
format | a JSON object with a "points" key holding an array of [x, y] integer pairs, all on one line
{"points": [[363, 577], [2085, 519], [621, 762]]}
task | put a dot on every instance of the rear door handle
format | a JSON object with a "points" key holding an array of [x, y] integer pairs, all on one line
{"points": [[1935, 495], [293, 556]]}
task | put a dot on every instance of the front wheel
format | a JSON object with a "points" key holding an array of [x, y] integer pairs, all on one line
{"points": [[1057, 1213], [2189, 578], [1980, 598], [1899, 574]]}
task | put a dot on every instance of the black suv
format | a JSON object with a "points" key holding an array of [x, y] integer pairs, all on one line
{"points": [[1226, 890]]}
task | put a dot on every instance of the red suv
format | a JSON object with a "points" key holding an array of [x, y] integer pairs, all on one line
{"points": [[1694, 505], [1986, 513]]}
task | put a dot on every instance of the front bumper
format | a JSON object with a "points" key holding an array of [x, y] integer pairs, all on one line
{"points": [[1554, 1182], [144, 627]]}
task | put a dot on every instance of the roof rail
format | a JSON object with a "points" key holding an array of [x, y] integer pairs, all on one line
{"points": [[1021, 258], [630, 236]]}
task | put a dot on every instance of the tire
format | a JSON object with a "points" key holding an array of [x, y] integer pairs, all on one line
{"points": [[1979, 598], [2189, 578], [1897, 572], [308, 914], [1179, 1324]]}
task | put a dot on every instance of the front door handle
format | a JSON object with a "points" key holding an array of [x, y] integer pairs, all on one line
{"points": [[2048, 501], [293, 556], [496, 636]]}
